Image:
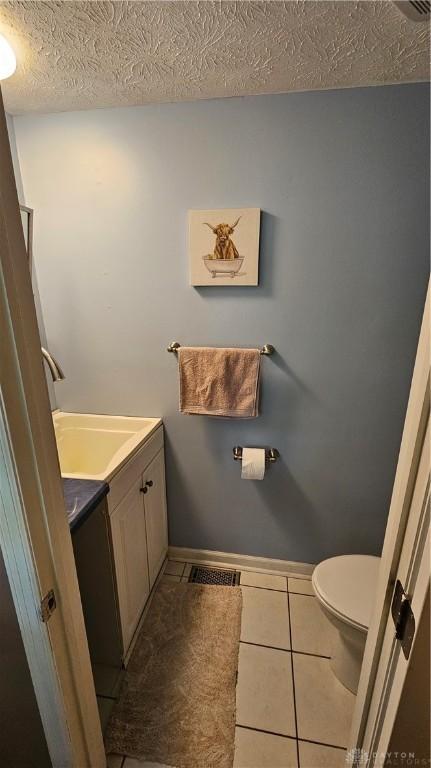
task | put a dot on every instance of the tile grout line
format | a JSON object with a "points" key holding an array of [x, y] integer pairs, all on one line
{"points": [[230, 567], [252, 586], [238, 569], [274, 589], [267, 589], [263, 730], [261, 645], [314, 655], [323, 744], [293, 680], [285, 736], [285, 650]]}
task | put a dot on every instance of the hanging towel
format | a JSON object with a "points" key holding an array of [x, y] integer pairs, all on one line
{"points": [[219, 382]]}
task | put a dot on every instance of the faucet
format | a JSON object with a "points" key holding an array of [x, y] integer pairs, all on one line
{"points": [[54, 367]]}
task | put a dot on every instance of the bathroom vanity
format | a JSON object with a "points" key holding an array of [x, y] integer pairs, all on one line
{"points": [[136, 507], [120, 543]]}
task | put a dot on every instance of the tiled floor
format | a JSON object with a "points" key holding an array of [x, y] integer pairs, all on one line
{"points": [[291, 710]]}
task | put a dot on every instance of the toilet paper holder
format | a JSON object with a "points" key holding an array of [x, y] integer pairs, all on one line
{"points": [[271, 454]]}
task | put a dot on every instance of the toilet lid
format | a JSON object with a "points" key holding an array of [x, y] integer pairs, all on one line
{"points": [[347, 585]]}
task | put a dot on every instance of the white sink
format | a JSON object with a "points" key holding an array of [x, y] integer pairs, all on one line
{"points": [[94, 447]]}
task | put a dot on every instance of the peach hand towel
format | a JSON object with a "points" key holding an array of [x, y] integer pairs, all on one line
{"points": [[219, 382]]}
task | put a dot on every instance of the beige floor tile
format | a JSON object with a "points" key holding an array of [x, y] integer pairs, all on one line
{"points": [[170, 577], [265, 617], [301, 586], [114, 761], [263, 750], [264, 690], [316, 756], [267, 581], [173, 568], [324, 707], [187, 569], [311, 630]]}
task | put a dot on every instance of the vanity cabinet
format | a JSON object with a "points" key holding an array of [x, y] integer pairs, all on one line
{"points": [[139, 534], [155, 515], [129, 545], [138, 530], [119, 550]]}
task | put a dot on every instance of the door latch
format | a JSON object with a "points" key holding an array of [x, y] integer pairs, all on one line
{"points": [[403, 618], [48, 605]]}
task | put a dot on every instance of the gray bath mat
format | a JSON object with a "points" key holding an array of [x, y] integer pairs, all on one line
{"points": [[177, 703]]}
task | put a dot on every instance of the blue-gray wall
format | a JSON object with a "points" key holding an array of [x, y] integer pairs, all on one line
{"points": [[341, 178]]}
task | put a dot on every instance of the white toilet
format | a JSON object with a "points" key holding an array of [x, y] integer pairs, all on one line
{"points": [[345, 588]]}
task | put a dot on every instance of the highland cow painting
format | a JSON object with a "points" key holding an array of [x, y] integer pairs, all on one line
{"points": [[224, 246]]}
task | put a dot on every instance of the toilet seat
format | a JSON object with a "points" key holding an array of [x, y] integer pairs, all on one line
{"points": [[346, 585]]}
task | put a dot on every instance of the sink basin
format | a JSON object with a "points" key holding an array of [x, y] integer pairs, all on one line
{"points": [[94, 447]]}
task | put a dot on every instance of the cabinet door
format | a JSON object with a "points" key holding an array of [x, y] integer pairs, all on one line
{"points": [[129, 545], [155, 515]]}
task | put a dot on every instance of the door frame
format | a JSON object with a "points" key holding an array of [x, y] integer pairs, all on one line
{"points": [[43, 549], [34, 532], [379, 684]]}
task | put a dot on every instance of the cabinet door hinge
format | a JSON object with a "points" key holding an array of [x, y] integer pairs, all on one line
{"points": [[403, 618], [48, 604]]}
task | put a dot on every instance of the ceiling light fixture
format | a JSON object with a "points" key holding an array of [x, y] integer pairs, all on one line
{"points": [[7, 59]]}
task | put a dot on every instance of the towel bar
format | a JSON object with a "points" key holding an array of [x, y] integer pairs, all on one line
{"points": [[267, 349], [271, 454]]}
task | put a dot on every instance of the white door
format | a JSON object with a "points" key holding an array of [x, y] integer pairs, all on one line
{"points": [[156, 515], [34, 532], [404, 570], [130, 554], [412, 578]]}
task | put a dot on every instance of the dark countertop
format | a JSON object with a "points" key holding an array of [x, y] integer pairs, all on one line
{"points": [[82, 497]]}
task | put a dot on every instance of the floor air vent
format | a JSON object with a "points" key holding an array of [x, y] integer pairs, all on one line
{"points": [[416, 10], [202, 575]]}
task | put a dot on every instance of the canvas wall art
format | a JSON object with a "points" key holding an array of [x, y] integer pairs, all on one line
{"points": [[224, 246]]}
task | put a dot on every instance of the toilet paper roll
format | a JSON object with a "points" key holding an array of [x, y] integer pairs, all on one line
{"points": [[253, 464]]}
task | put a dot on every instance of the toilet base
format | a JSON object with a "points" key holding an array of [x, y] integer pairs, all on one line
{"points": [[346, 661]]}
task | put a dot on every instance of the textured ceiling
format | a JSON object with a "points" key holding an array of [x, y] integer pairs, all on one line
{"points": [[77, 55]]}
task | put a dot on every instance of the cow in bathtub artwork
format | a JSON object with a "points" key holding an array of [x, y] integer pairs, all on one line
{"points": [[229, 253], [224, 250]]}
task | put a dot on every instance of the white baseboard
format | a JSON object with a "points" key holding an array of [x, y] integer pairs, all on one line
{"points": [[241, 562]]}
